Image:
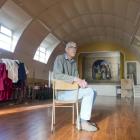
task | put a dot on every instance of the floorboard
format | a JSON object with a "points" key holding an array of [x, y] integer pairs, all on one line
{"points": [[117, 119]]}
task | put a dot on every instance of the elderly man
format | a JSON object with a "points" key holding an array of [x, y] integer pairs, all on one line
{"points": [[65, 69]]}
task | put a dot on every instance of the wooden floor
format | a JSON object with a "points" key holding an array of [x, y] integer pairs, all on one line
{"points": [[116, 119]]}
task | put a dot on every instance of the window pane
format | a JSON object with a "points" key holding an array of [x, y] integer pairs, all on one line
{"points": [[36, 57], [5, 38], [42, 55], [42, 49], [5, 46], [6, 31], [37, 53], [42, 59], [46, 58]]}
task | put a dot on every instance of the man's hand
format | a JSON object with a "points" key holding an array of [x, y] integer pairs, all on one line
{"points": [[81, 82]]}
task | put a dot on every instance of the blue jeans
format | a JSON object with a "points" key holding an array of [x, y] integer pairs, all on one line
{"points": [[87, 95]]}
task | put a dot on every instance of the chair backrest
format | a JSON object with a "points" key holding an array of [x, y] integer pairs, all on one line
{"points": [[61, 85], [127, 84]]}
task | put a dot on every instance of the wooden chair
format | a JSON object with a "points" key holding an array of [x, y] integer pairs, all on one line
{"points": [[127, 87], [59, 85]]}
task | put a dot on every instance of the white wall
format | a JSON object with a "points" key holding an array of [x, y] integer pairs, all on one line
{"points": [[105, 89]]}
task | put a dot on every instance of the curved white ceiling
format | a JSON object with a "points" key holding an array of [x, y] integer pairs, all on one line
{"points": [[91, 20]]}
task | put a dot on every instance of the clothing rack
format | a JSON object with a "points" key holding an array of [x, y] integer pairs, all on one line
{"points": [[17, 91]]}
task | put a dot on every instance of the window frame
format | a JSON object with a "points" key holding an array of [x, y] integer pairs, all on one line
{"points": [[8, 45]]}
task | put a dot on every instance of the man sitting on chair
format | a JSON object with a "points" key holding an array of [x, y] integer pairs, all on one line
{"points": [[65, 69]]}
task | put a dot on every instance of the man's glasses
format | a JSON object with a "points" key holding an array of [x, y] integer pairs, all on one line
{"points": [[71, 47]]}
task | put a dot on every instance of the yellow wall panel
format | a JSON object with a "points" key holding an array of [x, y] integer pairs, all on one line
{"points": [[126, 54]]}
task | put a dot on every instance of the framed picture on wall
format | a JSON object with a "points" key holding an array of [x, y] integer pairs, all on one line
{"points": [[101, 67]]}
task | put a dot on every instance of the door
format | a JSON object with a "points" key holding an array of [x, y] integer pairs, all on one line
{"points": [[131, 71]]}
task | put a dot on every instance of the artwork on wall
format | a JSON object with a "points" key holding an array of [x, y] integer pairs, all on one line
{"points": [[132, 71], [101, 70], [101, 67]]}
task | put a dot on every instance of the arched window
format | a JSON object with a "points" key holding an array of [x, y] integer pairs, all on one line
{"points": [[45, 49], [12, 24]]}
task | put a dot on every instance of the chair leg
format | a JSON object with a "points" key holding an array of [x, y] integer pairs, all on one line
{"points": [[78, 118], [52, 119], [73, 114], [54, 115]]}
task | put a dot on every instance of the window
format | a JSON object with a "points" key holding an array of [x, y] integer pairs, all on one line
{"points": [[6, 38], [13, 22], [40, 54], [45, 49]]}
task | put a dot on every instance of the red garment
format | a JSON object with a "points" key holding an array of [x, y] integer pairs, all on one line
{"points": [[7, 88], [5, 84], [3, 75]]}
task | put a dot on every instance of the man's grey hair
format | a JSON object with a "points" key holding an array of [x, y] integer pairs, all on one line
{"points": [[71, 44]]}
